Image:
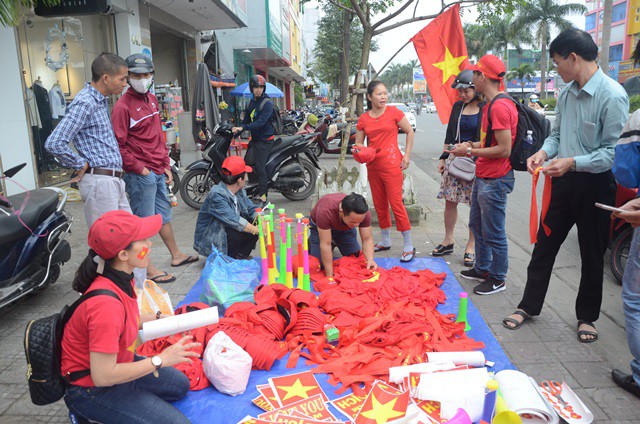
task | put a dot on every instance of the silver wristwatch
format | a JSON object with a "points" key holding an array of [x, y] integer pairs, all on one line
{"points": [[156, 361]]}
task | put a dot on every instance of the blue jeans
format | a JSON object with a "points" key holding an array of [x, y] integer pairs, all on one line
{"points": [[144, 400], [487, 220], [631, 303], [148, 195]]}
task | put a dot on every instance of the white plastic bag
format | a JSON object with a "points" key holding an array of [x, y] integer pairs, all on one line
{"points": [[153, 298], [226, 365]]}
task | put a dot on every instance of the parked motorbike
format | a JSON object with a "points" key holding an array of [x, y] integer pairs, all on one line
{"points": [[289, 173], [329, 140], [620, 236], [32, 245]]}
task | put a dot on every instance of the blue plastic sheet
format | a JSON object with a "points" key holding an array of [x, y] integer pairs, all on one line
{"points": [[210, 406]]}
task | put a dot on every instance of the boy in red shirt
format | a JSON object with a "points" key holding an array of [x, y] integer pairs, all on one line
{"points": [[494, 178]]}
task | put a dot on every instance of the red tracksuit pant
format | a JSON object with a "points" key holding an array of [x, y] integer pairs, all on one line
{"points": [[386, 189]]}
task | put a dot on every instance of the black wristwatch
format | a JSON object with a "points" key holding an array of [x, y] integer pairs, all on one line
{"points": [[573, 165]]}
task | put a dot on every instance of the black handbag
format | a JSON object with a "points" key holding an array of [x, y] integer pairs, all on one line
{"points": [[43, 350]]}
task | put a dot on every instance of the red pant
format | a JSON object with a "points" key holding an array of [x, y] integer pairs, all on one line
{"points": [[386, 189]]}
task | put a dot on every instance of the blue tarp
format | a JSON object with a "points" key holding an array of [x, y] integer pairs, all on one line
{"points": [[210, 406]]}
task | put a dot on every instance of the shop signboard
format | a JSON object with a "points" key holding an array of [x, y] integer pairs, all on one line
{"points": [[533, 84], [419, 81], [286, 31], [274, 26], [626, 70], [73, 7], [238, 8], [613, 70]]}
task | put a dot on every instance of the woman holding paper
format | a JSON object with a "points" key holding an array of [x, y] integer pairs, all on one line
{"points": [[109, 384]]}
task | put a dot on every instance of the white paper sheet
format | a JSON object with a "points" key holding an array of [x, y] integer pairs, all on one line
{"points": [[473, 359], [397, 374], [179, 323]]}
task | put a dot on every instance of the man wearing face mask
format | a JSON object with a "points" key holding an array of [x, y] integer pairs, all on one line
{"points": [[145, 160]]}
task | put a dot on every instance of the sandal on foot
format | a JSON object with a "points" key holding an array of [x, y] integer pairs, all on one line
{"points": [[516, 324], [581, 333], [469, 259], [442, 250], [158, 279], [187, 260], [380, 248], [408, 256]]}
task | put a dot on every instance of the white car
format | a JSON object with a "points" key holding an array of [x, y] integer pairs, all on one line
{"points": [[431, 107], [410, 116]]}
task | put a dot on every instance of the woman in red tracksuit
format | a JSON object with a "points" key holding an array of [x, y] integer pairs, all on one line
{"points": [[380, 125]]}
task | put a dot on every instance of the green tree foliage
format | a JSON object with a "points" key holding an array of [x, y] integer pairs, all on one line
{"points": [[540, 16], [524, 72], [12, 11], [328, 51]]}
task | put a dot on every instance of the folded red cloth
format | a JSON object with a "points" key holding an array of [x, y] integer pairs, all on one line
{"points": [[195, 374]]}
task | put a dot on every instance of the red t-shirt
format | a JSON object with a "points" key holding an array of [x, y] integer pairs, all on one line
{"points": [[100, 324], [326, 213], [504, 115], [382, 133]]}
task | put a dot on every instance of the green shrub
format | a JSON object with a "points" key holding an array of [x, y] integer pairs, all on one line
{"points": [[634, 103], [550, 103]]}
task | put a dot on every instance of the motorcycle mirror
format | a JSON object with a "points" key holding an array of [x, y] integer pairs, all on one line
{"points": [[13, 171]]}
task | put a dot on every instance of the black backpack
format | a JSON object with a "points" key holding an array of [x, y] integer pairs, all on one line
{"points": [[43, 349], [528, 120], [276, 117]]}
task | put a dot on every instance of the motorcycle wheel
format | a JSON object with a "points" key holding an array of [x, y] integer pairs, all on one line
{"points": [[176, 182], [315, 148], [620, 253], [194, 189], [310, 180]]}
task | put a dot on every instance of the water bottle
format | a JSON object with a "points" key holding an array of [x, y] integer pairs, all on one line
{"points": [[527, 147], [529, 138], [172, 197]]}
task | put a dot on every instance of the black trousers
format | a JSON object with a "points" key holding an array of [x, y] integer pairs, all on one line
{"points": [[572, 202], [258, 154], [240, 244]]}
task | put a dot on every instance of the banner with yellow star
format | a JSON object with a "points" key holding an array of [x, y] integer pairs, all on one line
{"points": [[291, 388], [383, 404], [443, 55]]}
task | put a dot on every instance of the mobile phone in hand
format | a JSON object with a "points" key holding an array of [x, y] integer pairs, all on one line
{"points": [[609, 208]]}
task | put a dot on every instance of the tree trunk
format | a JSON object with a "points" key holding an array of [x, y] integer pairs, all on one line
{"points": [[346, 53], [543, 63], [367, 36], [606, 36]]}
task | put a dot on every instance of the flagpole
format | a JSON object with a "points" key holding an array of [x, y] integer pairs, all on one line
{"points": [[385, 65]]}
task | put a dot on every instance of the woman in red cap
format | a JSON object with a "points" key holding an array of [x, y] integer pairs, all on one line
{"points": [[109, 383], [380, 125]]}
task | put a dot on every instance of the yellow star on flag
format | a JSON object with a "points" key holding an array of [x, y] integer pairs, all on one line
{"points": [[297, 389], [382, 412], [450, 65]]}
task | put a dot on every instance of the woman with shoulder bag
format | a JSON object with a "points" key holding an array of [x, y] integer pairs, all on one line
{"points": [[100, 338], [458, 174]]}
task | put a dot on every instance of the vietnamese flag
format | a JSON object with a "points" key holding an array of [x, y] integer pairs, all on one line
{"points": [[443, 55], [383, 404], [294, 387]]}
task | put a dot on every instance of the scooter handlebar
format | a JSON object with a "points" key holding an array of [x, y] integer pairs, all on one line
{"points": [[5, 203]]}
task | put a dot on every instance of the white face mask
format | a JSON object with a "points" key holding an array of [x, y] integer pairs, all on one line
{"points": [[141, 85]]}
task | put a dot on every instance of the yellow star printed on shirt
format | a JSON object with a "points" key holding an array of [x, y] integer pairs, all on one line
{"points": [[450, 65], [297, 389], [382, 412], [483, 138]]}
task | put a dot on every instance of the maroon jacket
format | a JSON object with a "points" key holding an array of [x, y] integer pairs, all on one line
{"points": [[136, 123]]}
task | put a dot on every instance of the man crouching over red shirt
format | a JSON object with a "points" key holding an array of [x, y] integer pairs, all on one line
{"points": [[334, 220], [494, 177]]}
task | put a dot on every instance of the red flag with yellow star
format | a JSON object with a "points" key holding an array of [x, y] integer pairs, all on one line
{"points": [[383, 404], [443, 55], [294, 387]]}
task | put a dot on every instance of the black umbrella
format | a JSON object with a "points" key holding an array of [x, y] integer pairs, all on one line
{"points": [[205, 113]]}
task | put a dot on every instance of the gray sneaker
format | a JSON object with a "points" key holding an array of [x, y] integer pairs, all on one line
{"points": [[490, 286]]}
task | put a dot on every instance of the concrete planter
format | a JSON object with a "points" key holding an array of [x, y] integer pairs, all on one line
{"points": [[355, 180]]}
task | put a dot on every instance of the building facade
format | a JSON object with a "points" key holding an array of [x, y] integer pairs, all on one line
{"points": [[47, 61]]}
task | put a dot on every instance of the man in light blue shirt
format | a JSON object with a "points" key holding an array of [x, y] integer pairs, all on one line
{"points": [[590, 114]]}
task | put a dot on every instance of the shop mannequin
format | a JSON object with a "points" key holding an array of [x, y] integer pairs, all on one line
{"points": [[44, 109], [58, 104]]}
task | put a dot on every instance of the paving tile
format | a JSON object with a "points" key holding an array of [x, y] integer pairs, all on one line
{"points": [[548, 371], [587, 397], [529, 353], [572, 350], [591, 374], [617, 404]]}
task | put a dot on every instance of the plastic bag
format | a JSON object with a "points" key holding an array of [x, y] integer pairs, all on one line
{"points": [[152, 298], [226, 281], [226, 365]]}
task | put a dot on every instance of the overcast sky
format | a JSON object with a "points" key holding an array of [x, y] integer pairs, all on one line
{"points": [[392, 40]]}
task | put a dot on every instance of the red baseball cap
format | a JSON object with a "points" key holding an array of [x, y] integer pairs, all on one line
{"points": [[115, 230], [364, 154], [235, 165], [491, 66]]}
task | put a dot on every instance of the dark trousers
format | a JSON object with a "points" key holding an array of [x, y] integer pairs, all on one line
{"points": [[240, 244], [258, 154], [345, 241], [572, 202]]}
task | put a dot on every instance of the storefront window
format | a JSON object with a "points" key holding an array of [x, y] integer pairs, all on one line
{"points": [[56, 56]]}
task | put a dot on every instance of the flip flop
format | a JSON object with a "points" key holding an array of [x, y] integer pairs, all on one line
{"points": [[587, 332], [405, 254], [469, 259], [157, 278], [442, 250], [380, 248], [189, 260], [516, 324]]}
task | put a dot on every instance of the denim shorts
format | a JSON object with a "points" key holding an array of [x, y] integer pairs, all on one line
{"points": [[148, 195]]}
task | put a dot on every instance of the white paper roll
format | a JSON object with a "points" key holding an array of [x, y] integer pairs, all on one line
{"points": [[179, 323], [473, 359], [397, 374]]}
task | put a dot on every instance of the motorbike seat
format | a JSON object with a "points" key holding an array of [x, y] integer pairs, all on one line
{"points": [[41, 204], [282, 142]]}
